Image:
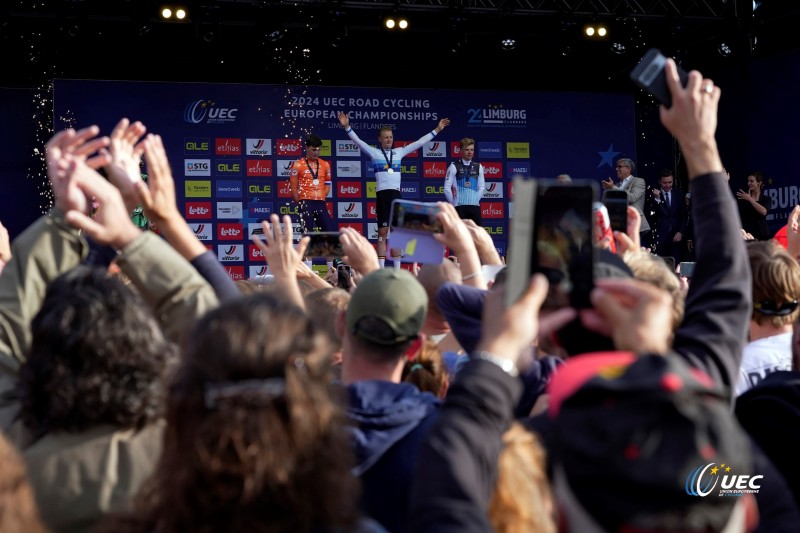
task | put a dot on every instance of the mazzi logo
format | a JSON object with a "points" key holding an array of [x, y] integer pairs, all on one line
{"points": [[258, 188], [259, 167], [493, 169], [228, 188], [493, 190], [435, 149], [497, 116], [228, 253], [492, 210], [259, 209], [519, 169], [198, 209], [348, 169], [236, 273], [209, 112], [348, 189], [228, 146], [372, 210], [258, 146], [197, 189], [202, 230], [229, 232], [197, 167], [284, 189], [229, 168], [349, 210], [229, 209], [284, 167], [195, 145], [288, 147], [703, 480], [410, 189], [347, 149], [434, 170]]}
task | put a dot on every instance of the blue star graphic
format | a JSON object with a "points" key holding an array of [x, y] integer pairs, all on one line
{"points": [[608, 157]]}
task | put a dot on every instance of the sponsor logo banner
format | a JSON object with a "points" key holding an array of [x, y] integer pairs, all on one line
{"points": [[227, 231], [228, 188], [259, 188], [254, 229], [415, 153], [258, 146], [207, 111], [197, 189], [358, 226], [372, 189], [490, 150], [260, 209], [325, 149], [409, 189], [495, 230], [435, 149], [197, 167], [492, 169], [347, 149], [255, 254], [434, 191], [510, 190], [455, 149], [258, 270], [348, 189], [329, 207], [434, 170], [519, 168], [348, 169], [227, 146], [235, 272], [288, 209], [372, 210], [259, 167], [284, 189], [228, 253], [198, 209], [283, 167], [518, 150], [229, 167], [493, 191], [372, 231], [229, 209], [497, 116], [289, 147], [196, 145], [501, 248], [409, 170], [347, 210], [492, 210], [202, 230]]}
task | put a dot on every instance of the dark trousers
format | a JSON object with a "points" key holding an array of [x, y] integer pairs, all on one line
{"points": [[313, 215], [471, 212]]}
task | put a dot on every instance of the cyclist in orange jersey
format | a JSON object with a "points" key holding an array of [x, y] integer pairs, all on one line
{"points": [[310, 183]]}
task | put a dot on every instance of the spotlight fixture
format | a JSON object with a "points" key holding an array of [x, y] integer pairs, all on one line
{"points": [[166, 13], [180, 14], [618, 48], [509, 43], [275, 35], [402, 24], [392, 22], [724, 49], [601, 31], [173, 13], [595, 30]]}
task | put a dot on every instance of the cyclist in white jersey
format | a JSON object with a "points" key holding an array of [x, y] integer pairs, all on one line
{"points": [[385, 160]]}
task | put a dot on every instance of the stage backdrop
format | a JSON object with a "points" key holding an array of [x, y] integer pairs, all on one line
{"points": [[231, 146]]}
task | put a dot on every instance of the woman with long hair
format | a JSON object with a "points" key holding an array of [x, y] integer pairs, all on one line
{"points": [[754, 206]]}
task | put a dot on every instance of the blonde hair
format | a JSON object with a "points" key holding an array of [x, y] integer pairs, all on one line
{"points": [[653, 270], [776, 279], [522, 501]]}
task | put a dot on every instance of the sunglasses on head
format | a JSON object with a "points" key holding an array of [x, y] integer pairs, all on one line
{"points": [[769, 308]]}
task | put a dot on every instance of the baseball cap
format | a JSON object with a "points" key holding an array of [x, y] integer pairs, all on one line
{"points": [[632, 437], [396, 299]]}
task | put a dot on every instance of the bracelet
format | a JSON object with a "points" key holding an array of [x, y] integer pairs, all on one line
{"points": [[470, 276], [508, 366], [348, 129]]}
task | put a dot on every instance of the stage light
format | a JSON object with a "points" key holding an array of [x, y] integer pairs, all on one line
{"points": [[509, 43], [402, 24], [601, 31], [590, 31], [180, 14], [166, 13], [724, 49], [390, 23], [618, 48]]}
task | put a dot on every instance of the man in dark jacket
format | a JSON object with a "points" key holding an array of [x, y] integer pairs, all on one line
{"points": [[390, 418]]}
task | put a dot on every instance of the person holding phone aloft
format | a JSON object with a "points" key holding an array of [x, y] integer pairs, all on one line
{"points": [[464, 184], [386, 164]]}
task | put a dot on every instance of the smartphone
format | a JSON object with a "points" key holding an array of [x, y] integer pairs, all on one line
{"points": [[649, 75], [343, 275], [324, 244], [553, 235], [616, 203], [669, 260], [415, 216], [686, 269]]}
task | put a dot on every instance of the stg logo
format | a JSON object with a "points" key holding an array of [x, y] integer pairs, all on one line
{"points": [[703, 480]]}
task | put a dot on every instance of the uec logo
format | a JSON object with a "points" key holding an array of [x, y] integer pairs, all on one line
{"points": [[731, 484]]}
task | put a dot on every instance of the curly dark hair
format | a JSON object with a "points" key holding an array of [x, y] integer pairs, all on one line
{"points": [[97, 357], [270, 453]]}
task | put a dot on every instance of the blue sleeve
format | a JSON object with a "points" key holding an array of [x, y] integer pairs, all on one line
{"points": [[210, 268]]}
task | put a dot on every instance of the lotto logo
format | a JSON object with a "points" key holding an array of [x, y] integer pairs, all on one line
{"points": [[348, 189], [198, 210]]}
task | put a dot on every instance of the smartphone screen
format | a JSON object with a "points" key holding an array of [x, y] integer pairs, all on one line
{"points": [[324, 244], [616, 203], [563, 241], [686, 269], [416, 216], [343, 275], [649, 75]]}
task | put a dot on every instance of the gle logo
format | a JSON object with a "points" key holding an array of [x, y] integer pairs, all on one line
{"points": [[703, 480], [207, 111]]}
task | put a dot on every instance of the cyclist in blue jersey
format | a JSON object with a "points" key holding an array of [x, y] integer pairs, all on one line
{"points": [[386, 164], [464, 184]]}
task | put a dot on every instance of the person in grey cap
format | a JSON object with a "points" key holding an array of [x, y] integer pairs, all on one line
{"points": [[390, 418]]}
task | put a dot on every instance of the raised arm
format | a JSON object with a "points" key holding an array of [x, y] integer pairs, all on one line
{"points": [[344, 121], [443, 123]]}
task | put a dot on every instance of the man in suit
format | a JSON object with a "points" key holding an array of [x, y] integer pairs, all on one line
{"points": [[670, 217], [635, 187]]}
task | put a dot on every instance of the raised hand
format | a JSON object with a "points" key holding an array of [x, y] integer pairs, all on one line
{"points": [[60, 150], [281, 255], [344, 120], [483, 243], [126, 151], [158, 195], [359, 253]]}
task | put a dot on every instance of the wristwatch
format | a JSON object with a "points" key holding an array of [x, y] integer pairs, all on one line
{"points": [[508, 366]]}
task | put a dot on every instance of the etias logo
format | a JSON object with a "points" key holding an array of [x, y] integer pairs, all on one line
{"points": [[704, 479], [207, 111]]}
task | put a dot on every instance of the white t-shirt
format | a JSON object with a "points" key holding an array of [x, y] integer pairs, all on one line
{"points": [[763, 357]]}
